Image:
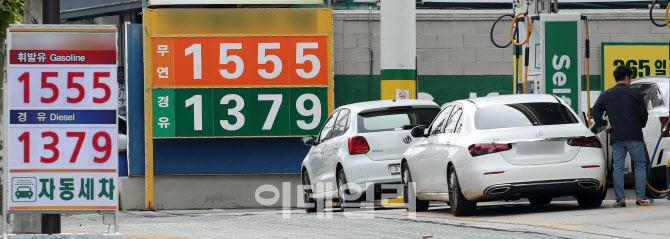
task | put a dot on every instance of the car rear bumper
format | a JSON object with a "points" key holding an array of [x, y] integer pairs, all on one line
{"points": [[493, 178], [550, 187], [367, 173]]}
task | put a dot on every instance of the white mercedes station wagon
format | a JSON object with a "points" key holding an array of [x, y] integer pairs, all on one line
{"points": [[359, 149], [504, 147]]}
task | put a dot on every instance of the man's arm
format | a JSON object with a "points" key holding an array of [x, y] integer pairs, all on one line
{"points": [[643, 114], [597, 111]]}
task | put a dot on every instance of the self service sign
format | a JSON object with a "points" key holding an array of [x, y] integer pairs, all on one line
{"points": [[255, 73], [561, 47], [61, 112]]}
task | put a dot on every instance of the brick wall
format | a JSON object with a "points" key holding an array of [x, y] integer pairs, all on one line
{"points": [[455, 55]]}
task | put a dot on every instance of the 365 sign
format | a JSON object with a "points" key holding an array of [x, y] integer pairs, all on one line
{"points": [[62, 112], [644, 58]]}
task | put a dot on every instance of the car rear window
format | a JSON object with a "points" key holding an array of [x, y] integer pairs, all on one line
{"points": [[523, 115], [652, 95], [395, 119]]}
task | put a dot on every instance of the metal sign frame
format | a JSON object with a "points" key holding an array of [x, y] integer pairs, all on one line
{"points": [[288, 22]]}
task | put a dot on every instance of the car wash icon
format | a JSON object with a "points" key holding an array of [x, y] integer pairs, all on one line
{"points": [[23, 189]]}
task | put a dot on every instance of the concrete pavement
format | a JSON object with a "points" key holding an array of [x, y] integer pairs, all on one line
{"points": [[562, 219]]}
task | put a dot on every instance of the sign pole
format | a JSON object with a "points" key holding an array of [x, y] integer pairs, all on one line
{"points": [[5, 171], [5, 150], [50, 15], [148, 120]]}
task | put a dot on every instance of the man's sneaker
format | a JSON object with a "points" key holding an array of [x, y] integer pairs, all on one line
{"points": [[620, 203], [644, 201]]}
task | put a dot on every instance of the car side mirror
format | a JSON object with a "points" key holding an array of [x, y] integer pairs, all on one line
{"points": [[309, 140], [419, 131]]}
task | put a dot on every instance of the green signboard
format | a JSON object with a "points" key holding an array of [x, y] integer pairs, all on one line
{"points": [[239, 112], [561, 59]]}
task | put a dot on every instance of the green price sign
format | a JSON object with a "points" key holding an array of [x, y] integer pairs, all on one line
{"points": [[238, 112]]}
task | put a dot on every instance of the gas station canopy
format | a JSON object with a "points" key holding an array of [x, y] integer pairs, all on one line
{"points": [[196, 2]]}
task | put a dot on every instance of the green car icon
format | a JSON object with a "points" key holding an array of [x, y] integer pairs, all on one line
{"points": [[24, 192]]}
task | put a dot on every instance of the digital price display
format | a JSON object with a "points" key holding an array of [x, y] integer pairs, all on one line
{"points": [[231, 84], [239, 61], [62, 112], [229, 112]]}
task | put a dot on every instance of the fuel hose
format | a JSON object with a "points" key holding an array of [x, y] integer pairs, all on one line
{"points": [[651, 16], [587, 53], [529, 29], [665, 192], [664, 129], [494, 26], [525, 63]]}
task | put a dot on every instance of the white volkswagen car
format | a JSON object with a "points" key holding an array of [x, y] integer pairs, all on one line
{"points": [[361, 145], [504, 147], [655, 92]]}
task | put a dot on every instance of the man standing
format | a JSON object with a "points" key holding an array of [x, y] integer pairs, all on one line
{"points": [[627, 116]]}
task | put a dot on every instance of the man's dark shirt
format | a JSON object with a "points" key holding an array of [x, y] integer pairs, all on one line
{"points": [[626, 110]]}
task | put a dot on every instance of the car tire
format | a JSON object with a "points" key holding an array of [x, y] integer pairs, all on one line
{"points": [[341, 192], [310, 203], [460, 206], [409, 191], [540, 201], [590, 200]]}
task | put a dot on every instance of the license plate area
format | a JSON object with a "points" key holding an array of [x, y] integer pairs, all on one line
{"points": [[540, 147], [394, 168]]}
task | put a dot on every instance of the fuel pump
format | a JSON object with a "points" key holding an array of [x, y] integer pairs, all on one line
{"points": [[550, 44]]}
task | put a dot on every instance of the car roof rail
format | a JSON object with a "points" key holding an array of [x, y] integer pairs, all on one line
{"points": [[476, 106], [557, 100]]}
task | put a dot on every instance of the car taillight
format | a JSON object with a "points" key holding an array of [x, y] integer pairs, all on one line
{"points": [[664, 120], [358, 145], [592, 141], [482, 149]]}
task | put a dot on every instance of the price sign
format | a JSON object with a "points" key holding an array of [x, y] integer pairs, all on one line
{"points": [[644, 58], [62, 111], [239, 61], [63, 87], [251, 82], [238, 112]]}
